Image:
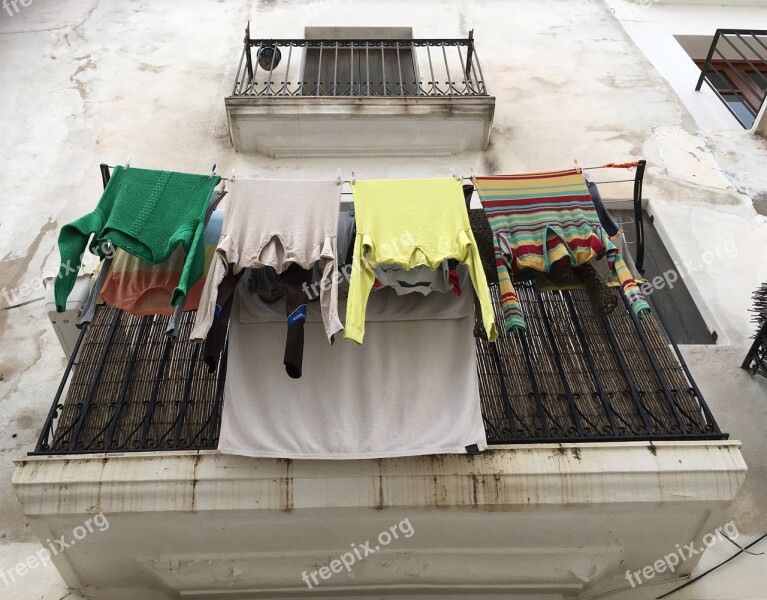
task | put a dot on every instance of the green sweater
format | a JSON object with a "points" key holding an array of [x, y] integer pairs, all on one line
{"points": [[147, 214]]}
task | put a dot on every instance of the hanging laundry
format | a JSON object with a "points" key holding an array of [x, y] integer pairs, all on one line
{"points": [[408, 223], [605, 219], [541, 220], [146, 213], [419, 279], [345, 246], [275, 224], [140, 288]]}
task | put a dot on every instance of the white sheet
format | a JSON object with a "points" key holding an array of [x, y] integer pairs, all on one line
{"points": [[410, 389]]}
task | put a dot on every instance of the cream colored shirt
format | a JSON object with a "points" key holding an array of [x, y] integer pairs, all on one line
{"points": [[274, 224]]}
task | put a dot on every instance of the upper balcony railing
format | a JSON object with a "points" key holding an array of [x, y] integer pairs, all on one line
{"points": [[736, 70], [359, 68]]}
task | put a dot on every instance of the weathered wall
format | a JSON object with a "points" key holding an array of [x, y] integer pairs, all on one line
{"points": [[84, 82]]}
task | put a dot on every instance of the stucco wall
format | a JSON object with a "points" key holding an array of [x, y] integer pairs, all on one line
{"points": [[85, 82]]}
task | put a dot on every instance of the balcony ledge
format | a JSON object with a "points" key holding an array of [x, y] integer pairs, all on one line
{"points": [[294, 126], [542, 521]]}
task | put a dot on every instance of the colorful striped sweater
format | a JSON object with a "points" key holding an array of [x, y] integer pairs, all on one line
{"points": [[541, 220]]}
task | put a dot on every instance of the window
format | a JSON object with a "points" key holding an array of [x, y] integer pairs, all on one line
{"points": [[377, 67]]}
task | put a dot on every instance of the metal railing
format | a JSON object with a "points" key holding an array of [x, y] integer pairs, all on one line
{"points": [[359, 68], [574, 375], [749, 47]]}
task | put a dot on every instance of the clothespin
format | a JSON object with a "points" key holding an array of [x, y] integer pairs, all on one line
{"points": [[212, 172], [338, 177], [354, 178], [127, 164], [577, 168], [453, 174], [233, 175]]}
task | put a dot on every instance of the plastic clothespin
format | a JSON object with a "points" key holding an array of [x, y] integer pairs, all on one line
{"points": [[354, 178], [233, 176], [338, 177], [212, 171], [453, 174], [127, 164], [577, 168]]}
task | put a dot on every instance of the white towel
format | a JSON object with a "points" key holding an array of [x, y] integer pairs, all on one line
{"points": [[411, 389]]}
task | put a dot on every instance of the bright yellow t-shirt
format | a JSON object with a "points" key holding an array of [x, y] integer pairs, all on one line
{"points": [[407, 223]]}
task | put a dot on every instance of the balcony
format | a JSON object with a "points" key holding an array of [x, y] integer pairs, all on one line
{"points": [[594, 420], [372, 91]]}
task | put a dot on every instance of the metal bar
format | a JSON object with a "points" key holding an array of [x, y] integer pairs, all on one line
{"points": [[447, 69], [558, 360], [399, 70], [335, 72], [319, 71], [638, 219], [94, 381], [762, 60], [747, 81], [727, 104], [507, 408], [351, 69], [383, 68], [271, 70], [534, 384], [367, 66], [431, 70], [482, 86], [187, 393], [466, 82], [287, 70], [127, 377], [590, 360], [614, 346], [215, 415], [752, 351], [469, 51], [707, 64], [46, 433], [743, 56], [248, 56], [655, 366], [147, 420], [704, 407]]}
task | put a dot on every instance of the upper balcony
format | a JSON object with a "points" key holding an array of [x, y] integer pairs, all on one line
{"points": [[359, 90]]}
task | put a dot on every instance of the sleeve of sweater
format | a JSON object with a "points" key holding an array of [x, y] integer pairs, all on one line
{"points": [[206, 310], [73, 240], [329, 289], [193, 267], [361, 283], [478, 279]]}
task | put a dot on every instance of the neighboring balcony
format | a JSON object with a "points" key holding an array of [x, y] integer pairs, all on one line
{"points": [[359, 91]]}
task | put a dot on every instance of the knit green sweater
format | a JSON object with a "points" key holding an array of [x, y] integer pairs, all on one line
{"points": [[146, 213]]}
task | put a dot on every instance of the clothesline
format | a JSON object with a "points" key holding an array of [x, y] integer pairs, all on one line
{"points": [[626, 165]]}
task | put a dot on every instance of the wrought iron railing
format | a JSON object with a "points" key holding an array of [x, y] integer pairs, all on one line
{"points": [[359, 68], [756, 359], [740, 57], [574, 375]]}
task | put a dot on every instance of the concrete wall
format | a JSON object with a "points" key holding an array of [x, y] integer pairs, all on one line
{"points": [[85, 82]]}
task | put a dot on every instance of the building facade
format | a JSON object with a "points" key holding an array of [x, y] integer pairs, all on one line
{"points": [[617, 469]]}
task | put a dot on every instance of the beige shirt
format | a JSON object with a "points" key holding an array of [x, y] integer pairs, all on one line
{"points": [[274, 224]]}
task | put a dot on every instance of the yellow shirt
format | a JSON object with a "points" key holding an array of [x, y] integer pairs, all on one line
{"points": [[410, 222]]}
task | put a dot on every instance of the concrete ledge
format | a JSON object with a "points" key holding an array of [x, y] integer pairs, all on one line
{"points": [[296, 126], [544, 521]]}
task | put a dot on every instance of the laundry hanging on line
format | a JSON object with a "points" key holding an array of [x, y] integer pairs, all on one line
{"points": [[541, 220], [148, 214]]}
